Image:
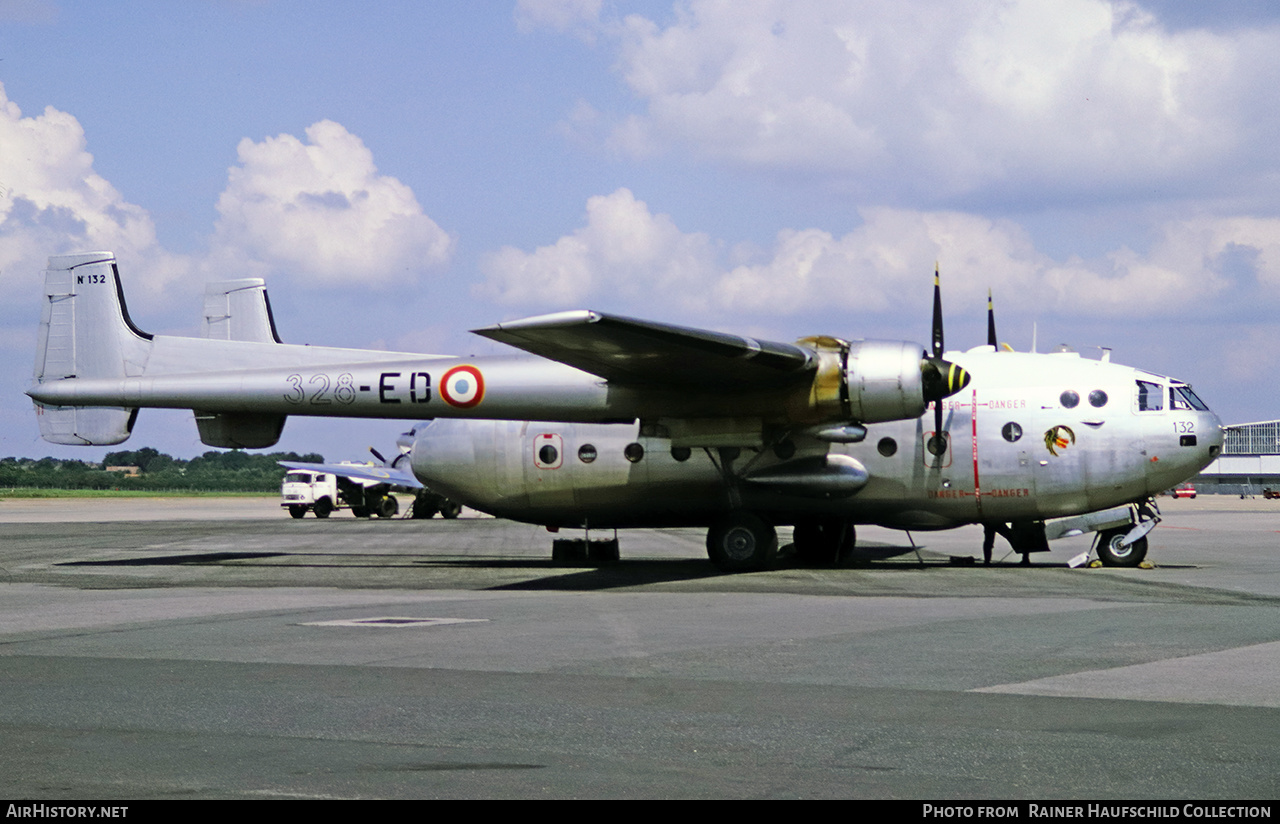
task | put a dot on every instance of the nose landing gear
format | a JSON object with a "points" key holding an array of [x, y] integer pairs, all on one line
{"points": [[1114, 552]]}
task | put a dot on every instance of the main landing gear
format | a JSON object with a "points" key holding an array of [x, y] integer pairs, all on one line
{"points": [[824, 541], [743, 542], [740, 541]]}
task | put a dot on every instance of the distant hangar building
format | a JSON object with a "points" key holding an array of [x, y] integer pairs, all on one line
{"points": [[1249, 463]]}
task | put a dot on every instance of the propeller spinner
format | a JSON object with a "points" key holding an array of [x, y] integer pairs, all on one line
{"points": [[941, 378]]}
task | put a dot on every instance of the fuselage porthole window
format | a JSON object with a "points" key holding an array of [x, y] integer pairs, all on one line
{"points": [[634, 452], [548, 454], [681, 453], [587, 453], [1011, 432], [1070, 399], [887, 447], [1097, 398]]}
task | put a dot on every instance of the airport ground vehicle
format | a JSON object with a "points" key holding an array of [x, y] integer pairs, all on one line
{"points": [[324, 492], [1183, 491]]}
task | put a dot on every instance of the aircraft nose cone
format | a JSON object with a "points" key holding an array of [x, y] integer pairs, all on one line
{"points": [[942, 378], [1216, 434]]}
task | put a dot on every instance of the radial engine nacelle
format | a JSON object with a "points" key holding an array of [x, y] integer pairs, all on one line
{"points": [[874, 381]]}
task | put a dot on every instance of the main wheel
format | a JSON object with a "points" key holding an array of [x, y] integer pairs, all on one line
{"points": [[827, 541], [423, 510], [323, 507], [1113, 554], [297, 510], [450, 510], [740, 542], [387, 507]]}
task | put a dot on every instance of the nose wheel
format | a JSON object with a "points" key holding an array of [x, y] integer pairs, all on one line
{"points": [[1115, 553], [741, 542]]}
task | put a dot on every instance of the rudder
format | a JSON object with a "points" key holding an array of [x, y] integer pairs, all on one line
{"points": [[85, 332]]}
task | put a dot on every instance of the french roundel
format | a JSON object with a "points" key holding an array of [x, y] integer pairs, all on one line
{"points": [[462, 386]]}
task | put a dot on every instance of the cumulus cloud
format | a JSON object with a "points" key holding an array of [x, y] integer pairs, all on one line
{"points": [[317, 210], [52, 201], [1022, 99], [626, 252], [321, 210]]}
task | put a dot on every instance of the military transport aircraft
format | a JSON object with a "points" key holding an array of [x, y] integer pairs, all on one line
{"points": [[616, 422]]}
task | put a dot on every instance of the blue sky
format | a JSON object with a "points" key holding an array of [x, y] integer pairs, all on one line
{"points": [[403, 172]]}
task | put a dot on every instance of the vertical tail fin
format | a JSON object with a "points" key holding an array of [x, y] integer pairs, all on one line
{"points": [[85, 332], [239, 310]]}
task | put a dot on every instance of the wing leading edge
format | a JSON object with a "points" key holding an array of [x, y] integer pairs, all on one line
{"points": [[635, 352]]}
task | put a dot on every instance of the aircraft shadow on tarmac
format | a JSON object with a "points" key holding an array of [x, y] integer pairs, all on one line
{"points": [[200, 559], [575, 576]]}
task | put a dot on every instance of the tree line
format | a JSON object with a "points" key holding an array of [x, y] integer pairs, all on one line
{"points": [[231, 471]]}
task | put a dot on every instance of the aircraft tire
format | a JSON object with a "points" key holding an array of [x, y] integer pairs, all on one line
{"points": [[360, 511], [297, 511], [741, 542], [450, 510], [1113, 554], [828, 541], [387, 507], [323, 508]]}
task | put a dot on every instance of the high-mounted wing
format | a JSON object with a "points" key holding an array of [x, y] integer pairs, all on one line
{"points": [[642, 353], [94, 370]]}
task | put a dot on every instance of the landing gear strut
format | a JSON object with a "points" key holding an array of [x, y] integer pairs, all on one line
{"points": [[741, 542]]}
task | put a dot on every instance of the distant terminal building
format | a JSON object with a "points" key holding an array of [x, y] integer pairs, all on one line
{"points": [[1249, 463]]}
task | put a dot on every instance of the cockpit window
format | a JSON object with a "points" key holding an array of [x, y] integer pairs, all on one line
{"points": [[1150, 397], [1181, 397]]}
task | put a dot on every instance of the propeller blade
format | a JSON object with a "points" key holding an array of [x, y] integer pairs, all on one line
{"points": [[942, 378], [940, 443], [991, 323], [937, 314]]}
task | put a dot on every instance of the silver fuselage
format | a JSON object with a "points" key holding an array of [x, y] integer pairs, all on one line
{"points": [[1017, 451]]}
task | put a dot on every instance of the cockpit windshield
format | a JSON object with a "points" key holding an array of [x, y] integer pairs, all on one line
{"points": [[1181, 397]]}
